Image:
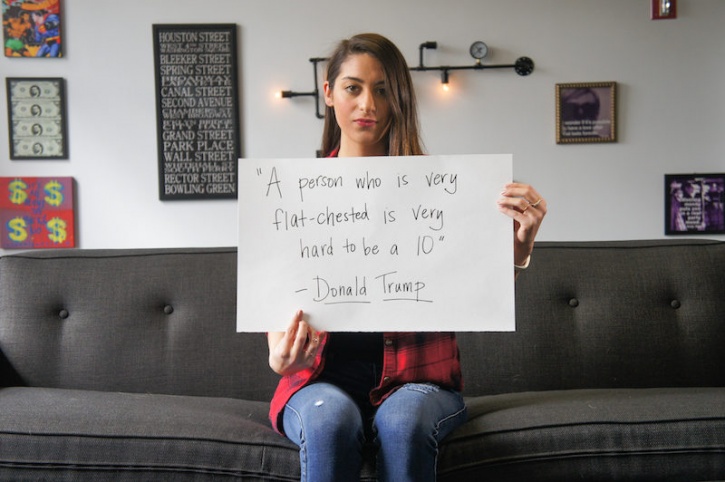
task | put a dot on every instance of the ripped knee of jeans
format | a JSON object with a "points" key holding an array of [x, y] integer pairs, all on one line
{"points": [[422, 387]]}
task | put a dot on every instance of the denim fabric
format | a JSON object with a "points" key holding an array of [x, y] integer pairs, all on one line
{"points": [[333, 422]]}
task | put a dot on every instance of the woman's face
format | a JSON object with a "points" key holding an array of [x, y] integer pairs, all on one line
{"points": [[361, 106]]}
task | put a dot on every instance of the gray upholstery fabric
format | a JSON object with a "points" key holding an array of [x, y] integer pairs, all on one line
{"points": [[139, 437], [603, 434], [636, 314], [126, 365], [149, 320]]}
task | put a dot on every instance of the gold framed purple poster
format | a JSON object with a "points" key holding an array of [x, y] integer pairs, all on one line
{"points": [[586, 112]]}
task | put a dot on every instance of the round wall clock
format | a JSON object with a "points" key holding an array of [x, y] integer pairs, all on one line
{"points": [[478, 50]]}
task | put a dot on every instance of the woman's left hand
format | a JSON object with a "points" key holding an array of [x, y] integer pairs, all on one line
{"points": [[527, 208]]}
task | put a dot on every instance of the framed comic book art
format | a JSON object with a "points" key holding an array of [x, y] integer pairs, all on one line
{"points": [[586, 112], [36, 118], [32, 28], [694, 203]]}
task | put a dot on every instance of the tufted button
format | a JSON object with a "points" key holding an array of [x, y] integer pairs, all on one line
{"points": [[63, 314], [675, 304], [388, 342], [573, 302], [386, 379], [168, 309]]}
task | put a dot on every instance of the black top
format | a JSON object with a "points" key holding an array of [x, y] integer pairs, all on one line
{"points": [[356, 346]]}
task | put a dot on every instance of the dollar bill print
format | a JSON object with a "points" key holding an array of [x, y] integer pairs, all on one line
{"points": [[38, 147], [37, 128], [36, 108], [41, 89]]}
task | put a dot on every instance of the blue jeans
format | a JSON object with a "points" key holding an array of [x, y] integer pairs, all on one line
{"points": [[333, 424]]}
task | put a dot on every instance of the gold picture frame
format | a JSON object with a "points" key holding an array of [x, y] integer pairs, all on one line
{"points": [[586, 112]]}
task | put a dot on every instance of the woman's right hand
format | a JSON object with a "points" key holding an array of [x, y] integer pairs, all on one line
{"points": [[295, 349]]}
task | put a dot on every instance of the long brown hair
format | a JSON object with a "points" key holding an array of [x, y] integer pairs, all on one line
{"points": [[403, 137]]}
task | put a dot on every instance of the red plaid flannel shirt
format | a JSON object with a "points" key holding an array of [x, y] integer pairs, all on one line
{"points": [[407, 358]]}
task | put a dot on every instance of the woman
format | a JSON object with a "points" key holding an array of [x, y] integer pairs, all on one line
{"points": [[398, 393]]}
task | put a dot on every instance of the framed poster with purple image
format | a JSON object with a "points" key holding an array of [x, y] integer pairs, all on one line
{"points": [[694, 204], [586, 112]]}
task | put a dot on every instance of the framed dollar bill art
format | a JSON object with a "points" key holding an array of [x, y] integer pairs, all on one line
{"points": [[36, 118]]}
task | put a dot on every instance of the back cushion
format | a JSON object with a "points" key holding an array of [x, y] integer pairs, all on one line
{"points": [[161, 321], [608, 315]]}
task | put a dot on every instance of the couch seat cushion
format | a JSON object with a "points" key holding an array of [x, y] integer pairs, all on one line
{"points": [[54, 434], [617, 434]]}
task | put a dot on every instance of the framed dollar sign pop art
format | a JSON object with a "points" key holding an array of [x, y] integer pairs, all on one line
{"points": [[36, 118], [36, 212]]}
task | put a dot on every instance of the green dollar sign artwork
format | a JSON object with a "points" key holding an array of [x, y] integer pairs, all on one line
{"points": [[17, 191], [17, 233], [54, 193], [56, 229]]}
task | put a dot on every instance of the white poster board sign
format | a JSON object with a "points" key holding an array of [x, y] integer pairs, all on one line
{"points": [[375, 244]]}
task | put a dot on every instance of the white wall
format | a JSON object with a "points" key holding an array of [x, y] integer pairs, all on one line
{"points": [[670, 73]]}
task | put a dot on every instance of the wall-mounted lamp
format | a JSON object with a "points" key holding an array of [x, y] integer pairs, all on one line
{"points": [[478, 50], [444, 80], [288, 94]]}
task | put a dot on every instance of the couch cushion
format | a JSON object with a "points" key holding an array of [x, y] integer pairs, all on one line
{"points": [[55, 434], [626, 314], [624, 434], [151, 320]]}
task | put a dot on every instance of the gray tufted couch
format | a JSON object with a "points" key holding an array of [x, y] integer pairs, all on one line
{"points": [[125, 365]]}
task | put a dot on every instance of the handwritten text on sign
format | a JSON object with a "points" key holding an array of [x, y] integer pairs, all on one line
{"points": [[375, 244]]}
